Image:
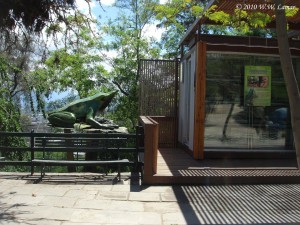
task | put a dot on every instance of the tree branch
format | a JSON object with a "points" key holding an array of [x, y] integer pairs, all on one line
{"points": [[120, 88]]}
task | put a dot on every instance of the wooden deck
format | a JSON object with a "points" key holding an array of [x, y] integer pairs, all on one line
{"points": [[175, 166]]}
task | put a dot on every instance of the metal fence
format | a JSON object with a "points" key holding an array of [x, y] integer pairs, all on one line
{"points": [[19, 149]]}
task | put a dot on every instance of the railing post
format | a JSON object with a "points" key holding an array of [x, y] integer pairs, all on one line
{"points": [[138, 134], [137, 147], [32, 151], [150, 147]]}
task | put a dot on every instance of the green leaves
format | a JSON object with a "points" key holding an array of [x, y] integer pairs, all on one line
{"points": [[78, 65], [292, 11], [176, 16], [9, 112], [127, 41], [259, 20], [241, 21], [197, 10], [220, 17]]}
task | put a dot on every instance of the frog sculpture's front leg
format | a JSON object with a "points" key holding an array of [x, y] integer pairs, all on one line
{"points": [[94, 123]]}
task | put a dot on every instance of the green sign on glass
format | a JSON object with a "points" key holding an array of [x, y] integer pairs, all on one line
{"points": [[257, 86]]}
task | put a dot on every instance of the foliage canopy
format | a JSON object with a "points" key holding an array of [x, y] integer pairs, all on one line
{"points": [[33, 14]]}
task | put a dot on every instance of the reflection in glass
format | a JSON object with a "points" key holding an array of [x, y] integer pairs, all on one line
{"points": [[232, 124]]}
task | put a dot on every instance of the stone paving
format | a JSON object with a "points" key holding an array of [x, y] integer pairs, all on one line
{"points": [[22, 202]]}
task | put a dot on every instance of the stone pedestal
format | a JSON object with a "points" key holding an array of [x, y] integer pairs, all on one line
{"points": [[70, 155], [91, 156]]}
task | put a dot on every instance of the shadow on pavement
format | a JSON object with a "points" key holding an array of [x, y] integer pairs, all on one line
{"points": [[239, 204]]}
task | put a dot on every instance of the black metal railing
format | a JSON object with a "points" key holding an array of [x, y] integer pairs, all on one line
{"points": [[20, 149]]}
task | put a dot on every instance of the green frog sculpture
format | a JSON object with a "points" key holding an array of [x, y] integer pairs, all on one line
{"points": [[82, 111]]}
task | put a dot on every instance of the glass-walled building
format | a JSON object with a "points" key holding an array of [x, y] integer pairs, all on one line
{"points": [[233, 96]]}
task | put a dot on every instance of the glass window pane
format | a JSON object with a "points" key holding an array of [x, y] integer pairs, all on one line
{"points": [[232, 124]]}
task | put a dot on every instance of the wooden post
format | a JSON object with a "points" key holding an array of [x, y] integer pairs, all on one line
{"points": [[150, 146], [200, 92], [175, 128]]}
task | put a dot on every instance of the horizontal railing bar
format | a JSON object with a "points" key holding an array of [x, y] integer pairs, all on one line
{"points": [[21, 163], [69, 149], [77, 162], [77, 135], [16, 134], [85, 135], [91, 149], [24, 149]]}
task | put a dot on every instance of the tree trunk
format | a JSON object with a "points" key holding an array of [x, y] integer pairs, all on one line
{"points": [[289, 74], [224, 138]]}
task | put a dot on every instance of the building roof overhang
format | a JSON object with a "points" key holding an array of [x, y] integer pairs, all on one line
{"points": [[229, 6]]}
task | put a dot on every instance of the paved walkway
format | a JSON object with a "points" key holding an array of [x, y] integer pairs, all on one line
{"points": [[22, 202]]}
